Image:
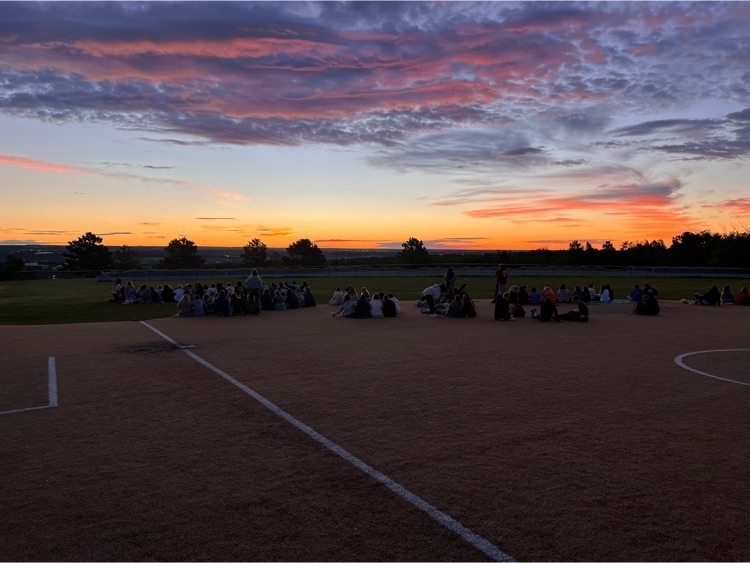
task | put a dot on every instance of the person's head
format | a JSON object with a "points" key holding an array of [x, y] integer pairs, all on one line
{"points": [[533, 288], [130, 283], [576, 299], [118, 281], [347, 297], [548, 300], [450, 270], [726, 288], [254, 273], [562, 286], [743, 290], [338, 289], [442, 287], [636, 286]]}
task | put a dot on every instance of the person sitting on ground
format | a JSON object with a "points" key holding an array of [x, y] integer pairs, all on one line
{"points": [[549, 293], [179, 291], [118, 292], [266, 300], [431, 295], [131, 295], [347, 308], [362, 308], [389, 307], [513, 295], [470, 309], [308, 297], [586, 295], [292, 301], [208, 305], [396, 302], [592, 292], [579, 314], [184, 306], [611, 292], [221, 304], [364, 292], [143, 295], [727, 298], [636, 295], [198, 309], [535, 298], [337, 298], [577, 291], [279, 301], [647, 288], [236, 303], [604, 295], [743, 298], [647, 306], [711, 297], [523, 296], [376, 306], [502, 307], [456, 308], [547, 312], [563, 294], [517, 311], [155, 297]]}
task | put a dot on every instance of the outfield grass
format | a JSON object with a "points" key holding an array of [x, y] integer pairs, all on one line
{"points": [[74, 301]]}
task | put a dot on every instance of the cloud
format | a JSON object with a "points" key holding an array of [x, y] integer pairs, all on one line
{"points": [[362, 72], [215, 218]]}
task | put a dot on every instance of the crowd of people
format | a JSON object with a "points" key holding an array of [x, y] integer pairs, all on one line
{"points": [[714, 297], [195, 300], [439, 299]]}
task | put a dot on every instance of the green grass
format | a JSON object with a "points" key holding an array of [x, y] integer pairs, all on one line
{"points": [[38, 302]]}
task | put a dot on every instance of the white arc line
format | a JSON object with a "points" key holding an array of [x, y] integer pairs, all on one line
{"points": [[482, 544], [679, 362]]}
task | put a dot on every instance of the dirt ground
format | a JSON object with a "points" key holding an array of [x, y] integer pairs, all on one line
{"points": [[559, 441]]}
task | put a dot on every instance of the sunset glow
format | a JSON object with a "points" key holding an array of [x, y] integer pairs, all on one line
{"points": [[492, 125]]}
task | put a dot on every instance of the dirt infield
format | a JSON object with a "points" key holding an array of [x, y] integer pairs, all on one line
{"points": [[560, 441]]}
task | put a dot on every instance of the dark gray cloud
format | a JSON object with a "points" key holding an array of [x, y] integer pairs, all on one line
{"points": [[410, 78]]}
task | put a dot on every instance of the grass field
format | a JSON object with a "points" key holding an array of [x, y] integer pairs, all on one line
{"points": [[74, 301]]}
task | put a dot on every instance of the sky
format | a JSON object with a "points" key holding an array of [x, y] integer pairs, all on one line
{"points": [[490, 125]]}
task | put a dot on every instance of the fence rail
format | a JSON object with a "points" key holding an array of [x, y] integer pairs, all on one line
{"points": [[426, 272]]}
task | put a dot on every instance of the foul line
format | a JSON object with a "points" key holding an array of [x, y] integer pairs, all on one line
{"points": [[679, 362], [482, 544], [51, 390]]}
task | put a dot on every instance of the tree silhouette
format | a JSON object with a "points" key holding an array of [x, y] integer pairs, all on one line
{"points": [[125, 258], [87, 253], [254, 253], [182, 253], [305, 253], [414, 252]]}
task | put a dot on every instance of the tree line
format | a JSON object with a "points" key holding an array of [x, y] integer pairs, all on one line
{"points": [[702, 249]]}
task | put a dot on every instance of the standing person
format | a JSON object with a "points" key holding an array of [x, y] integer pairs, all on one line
{"points": [[449, 279], [501, 279], [254, 284]]}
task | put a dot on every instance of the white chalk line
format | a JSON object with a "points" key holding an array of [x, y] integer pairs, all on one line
{"points": [[51, 390], [679, 362], [482, 544]]}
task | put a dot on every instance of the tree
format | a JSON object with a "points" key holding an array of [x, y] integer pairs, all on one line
{"points": [[125, 258], [254, 253], [182, 253], [87, 253], [414, 252], [305, 253]]}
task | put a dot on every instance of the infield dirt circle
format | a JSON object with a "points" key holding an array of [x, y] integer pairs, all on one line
{"points": [[559, 441]]}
